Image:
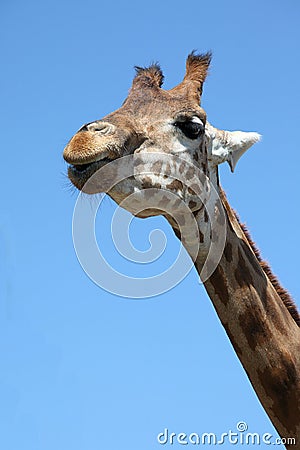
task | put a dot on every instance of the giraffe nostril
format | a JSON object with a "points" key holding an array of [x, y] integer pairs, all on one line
{"points": [[84, 128], [98, 127]]}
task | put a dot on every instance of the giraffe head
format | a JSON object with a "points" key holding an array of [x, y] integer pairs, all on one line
{"points": [[167, 135]]}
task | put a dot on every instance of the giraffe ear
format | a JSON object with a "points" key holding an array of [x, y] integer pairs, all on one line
{"points": [[230, 145]]}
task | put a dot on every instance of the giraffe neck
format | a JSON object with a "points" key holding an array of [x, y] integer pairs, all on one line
{"points": [[260, 327]]}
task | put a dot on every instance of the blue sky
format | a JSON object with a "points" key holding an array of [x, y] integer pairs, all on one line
{"points": [[83, 369]]}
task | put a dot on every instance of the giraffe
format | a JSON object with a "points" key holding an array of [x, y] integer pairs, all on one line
{"points": [[168, 133]]}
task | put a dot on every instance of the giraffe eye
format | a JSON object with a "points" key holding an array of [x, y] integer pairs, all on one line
{"points": [[192, 129]]}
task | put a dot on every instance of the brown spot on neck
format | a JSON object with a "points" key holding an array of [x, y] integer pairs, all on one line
{"points": [[228, 252], [219, 283], [175, 185], [192, 204], [242, 273], [252, 324], [156, 167], [182, 167]]}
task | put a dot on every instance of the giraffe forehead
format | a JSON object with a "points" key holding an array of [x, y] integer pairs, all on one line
{"points": [[158, 105]]}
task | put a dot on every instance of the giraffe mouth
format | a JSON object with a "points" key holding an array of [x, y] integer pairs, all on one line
{"points": [[79, 174]]}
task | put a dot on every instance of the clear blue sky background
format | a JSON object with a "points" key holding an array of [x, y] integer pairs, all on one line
{"points": [[82, 369]]}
